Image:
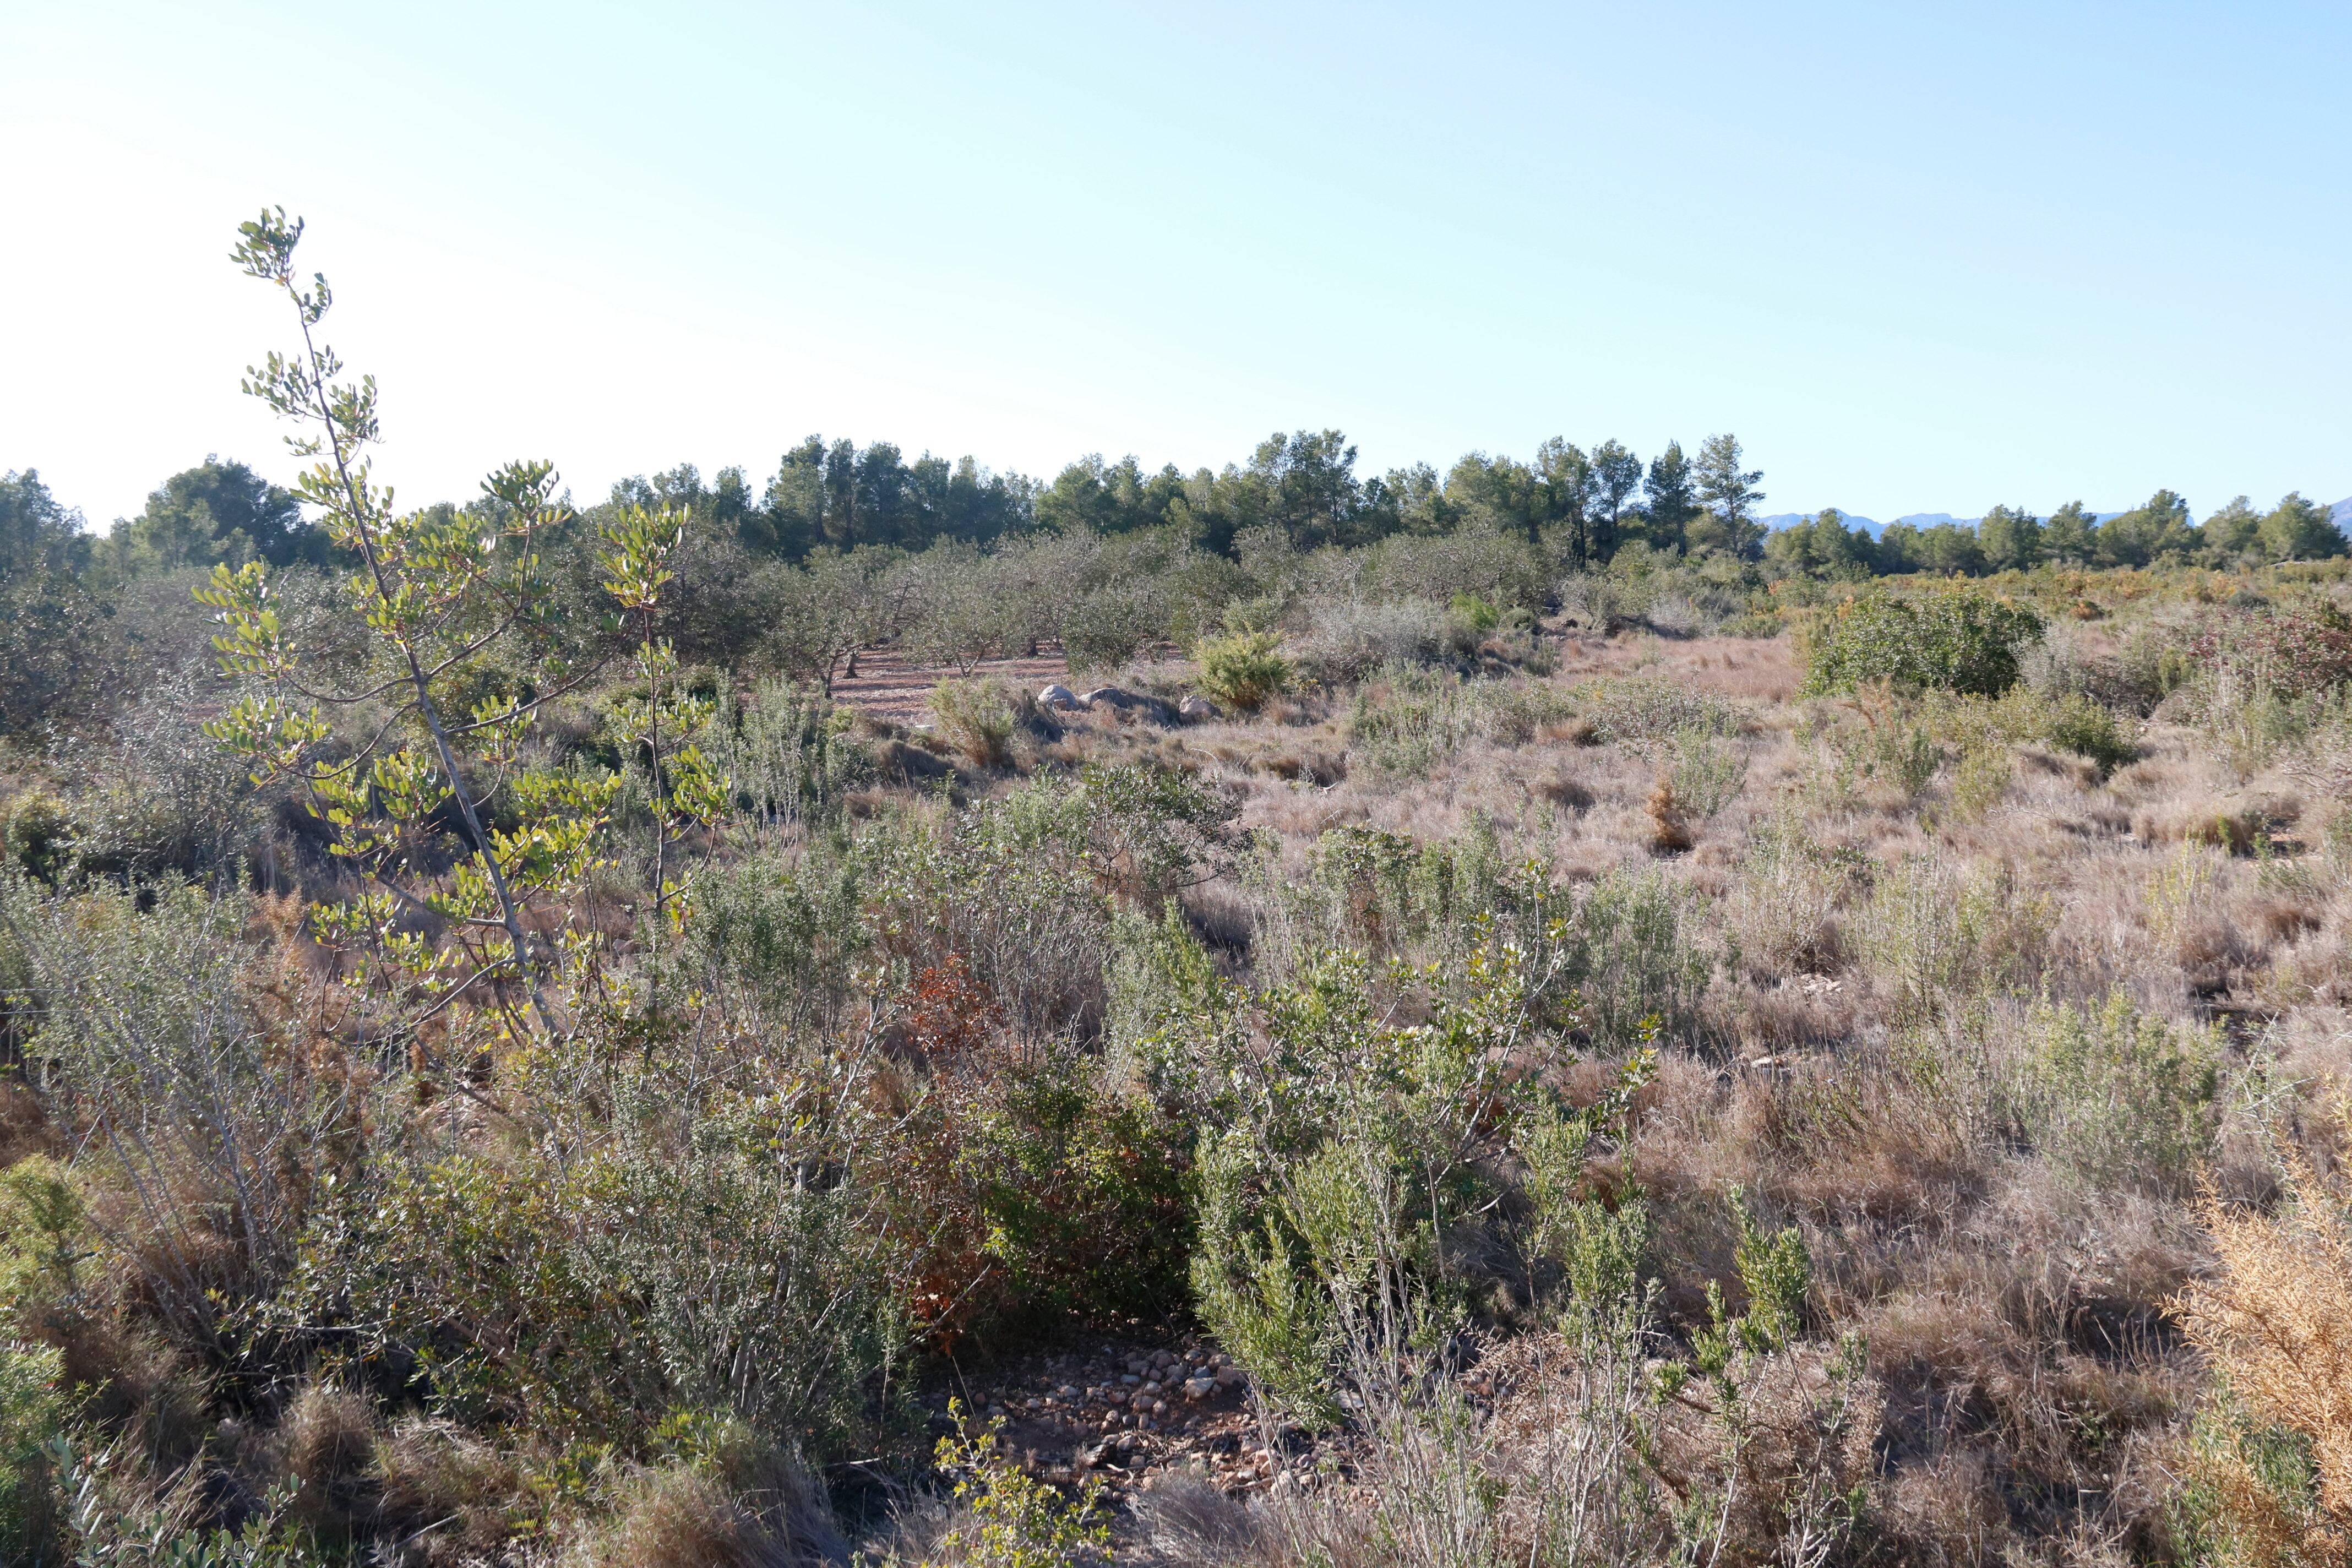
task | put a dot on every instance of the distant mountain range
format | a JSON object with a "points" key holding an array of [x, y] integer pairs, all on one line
{"points": [[2341, 512]]}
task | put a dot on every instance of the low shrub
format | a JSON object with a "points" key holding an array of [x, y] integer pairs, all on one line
{"points": [[789, 754], [2116, 1098], [670, 1248], [1959, 639], [1785, 911], [1600, 602], [1631, 950], [1708, 772], [1473, 613], [781, 936], [1980, 778], [2262, 682], [1872, 739], [1637, 708], [1041, 1188], [1347, 640], [39, 835], [1408, 718], [2089, 728], [1243, 670], [2298, 652], [977, 718], [1015, 1520], [1345, 1169], [34, 1405], [1932, 935]]}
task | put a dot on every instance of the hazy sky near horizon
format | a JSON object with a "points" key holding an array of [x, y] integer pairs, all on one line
{"points": [[1918, 259]]}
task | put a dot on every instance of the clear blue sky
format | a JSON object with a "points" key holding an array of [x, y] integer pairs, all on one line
{"points": [[1917, 258]]}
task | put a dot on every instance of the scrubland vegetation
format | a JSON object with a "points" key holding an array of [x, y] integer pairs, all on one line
{"points": [[1683, 1055]]}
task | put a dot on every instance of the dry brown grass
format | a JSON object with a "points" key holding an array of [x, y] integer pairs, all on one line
{"points": [[673, 1518], [1670, 828]]}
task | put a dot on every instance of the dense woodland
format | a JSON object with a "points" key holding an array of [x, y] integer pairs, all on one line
{"points": [[1527, 1021]]}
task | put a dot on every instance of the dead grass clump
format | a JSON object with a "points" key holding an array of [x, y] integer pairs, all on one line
{"points": [[2080, 772], [1771, 1020], [2238, 828], [453, 1490], [328, 1441], [1947, 1512], [1186, 1519], [915, 766], [2285, 919], [2236, 831], [1220, 915], [1861, 1141], [1670, 830], [1321, 769], [2215, 953], [676, 1518]]}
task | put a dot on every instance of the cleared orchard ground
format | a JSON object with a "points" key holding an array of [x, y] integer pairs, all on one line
{"points": [[890, 686]]}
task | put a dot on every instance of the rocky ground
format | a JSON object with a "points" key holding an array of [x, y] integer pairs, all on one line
{"points": [[1126, 1412]]}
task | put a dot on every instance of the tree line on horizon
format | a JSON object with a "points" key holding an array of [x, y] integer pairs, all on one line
{"points": [[1587, 506], [835, 496]]}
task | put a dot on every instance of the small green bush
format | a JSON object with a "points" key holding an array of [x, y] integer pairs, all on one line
{"points": [[1244, 670], [2072, 721], [40, 835], [2117, 1097], [1023, 1521], [1980, 779], [43, 1230], [1408, 718], [2075, 723], [1628, 947], [1346, 1170], [789, 753], [1476, 613], [977, 719], [1707, 772], [1960, 639], [1933, 934], [1645, 707]]}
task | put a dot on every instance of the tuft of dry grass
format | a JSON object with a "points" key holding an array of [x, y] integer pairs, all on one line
{"points": [[1670, 829], [979, 718], [329, 1439]]}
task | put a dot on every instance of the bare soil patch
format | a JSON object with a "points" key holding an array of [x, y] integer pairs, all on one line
{"points": [[891, 686]]}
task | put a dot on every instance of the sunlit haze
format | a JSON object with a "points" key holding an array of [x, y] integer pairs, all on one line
{"points": [[1917, 259]]}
